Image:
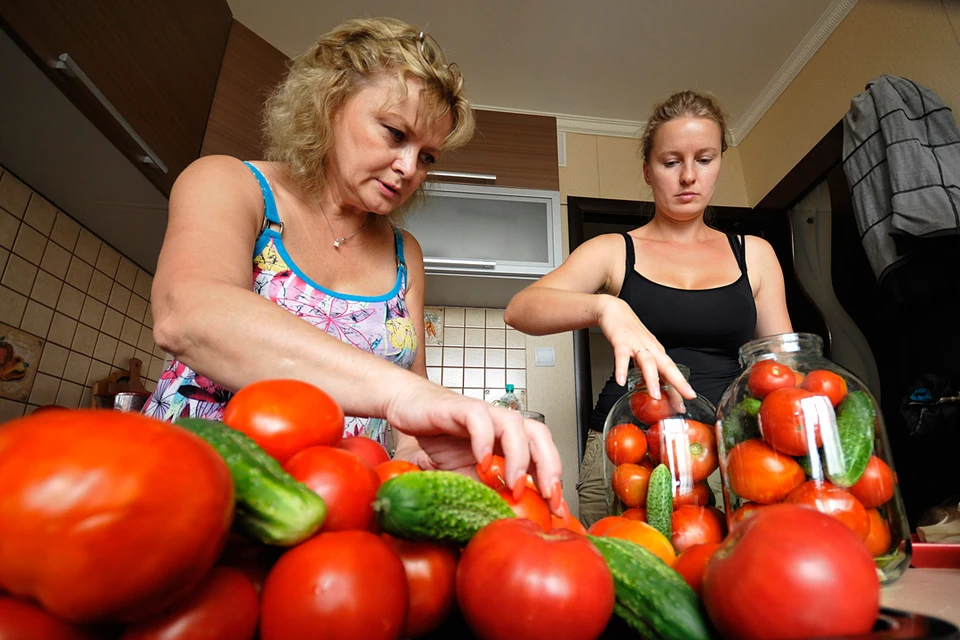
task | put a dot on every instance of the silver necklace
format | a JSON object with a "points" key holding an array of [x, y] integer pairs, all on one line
{"points": [[338, 240]]}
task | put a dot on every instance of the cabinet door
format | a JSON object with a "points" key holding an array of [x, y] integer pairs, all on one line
{"points": [[488, 230], [143, 72], [519, 149], [251, 69]]}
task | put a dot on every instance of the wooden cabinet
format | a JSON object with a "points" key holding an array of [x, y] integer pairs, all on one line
{"points": [[143, 72], [519, 149], [251, 69]]}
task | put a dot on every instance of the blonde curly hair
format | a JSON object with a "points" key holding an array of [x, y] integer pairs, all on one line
{"points": [[683, 104], [298, 116]]}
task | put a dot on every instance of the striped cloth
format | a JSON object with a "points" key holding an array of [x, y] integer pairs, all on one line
{"points": [[901, 156]]}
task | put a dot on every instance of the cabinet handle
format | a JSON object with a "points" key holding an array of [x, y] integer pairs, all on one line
{"points": [[458, 262], [485, 177], [67, 65]]}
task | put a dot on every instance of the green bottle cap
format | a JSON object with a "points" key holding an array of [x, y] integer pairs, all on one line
{"points": [[509, 388]]}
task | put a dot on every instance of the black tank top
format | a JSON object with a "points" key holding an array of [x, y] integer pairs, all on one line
{"points": [[702, 328]]}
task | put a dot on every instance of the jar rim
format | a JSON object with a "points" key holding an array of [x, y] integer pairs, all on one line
{"points": [[635, 377], [780, 343]]}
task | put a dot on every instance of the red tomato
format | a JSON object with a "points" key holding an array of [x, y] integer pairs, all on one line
{"points": [[603, 525], [878, 539], [695, 525], [431, 571], [635, 513], [22, 620], [875, 486], [346, 483], [339, 585], [791, 572], [760, 474], [767, 376], [369, 450], [394, 468], [495, 475], [799, 376], [568, 521], [648, 410], [746, 510], [692, 562], [787, 415], [285, 416], [128, 513], [832, 500], [251, 558], [826, 383], [224, 607], [688, 447], [531, 506], [630, 484], [646, 536], [625, 443], [515, 581], [700, 495]]}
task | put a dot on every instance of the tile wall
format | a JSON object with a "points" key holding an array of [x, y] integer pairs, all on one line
{"points": [[61, 283], [479, 353]]}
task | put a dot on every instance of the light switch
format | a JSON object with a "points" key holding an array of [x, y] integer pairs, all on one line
{"points": [[543, 357]]}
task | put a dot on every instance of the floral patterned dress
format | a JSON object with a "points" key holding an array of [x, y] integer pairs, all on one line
{"points": [[380, 325]]}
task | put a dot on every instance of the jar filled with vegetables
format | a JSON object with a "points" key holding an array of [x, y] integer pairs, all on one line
{"points": [[640, 435], [797, 428]]}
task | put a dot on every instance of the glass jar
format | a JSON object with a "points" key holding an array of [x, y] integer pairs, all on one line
{"points": [[640, 433], [798, 428]]}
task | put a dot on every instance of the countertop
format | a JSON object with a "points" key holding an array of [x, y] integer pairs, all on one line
{"points": [[932, 592]]}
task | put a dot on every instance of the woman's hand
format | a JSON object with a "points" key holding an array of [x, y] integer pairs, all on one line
{"points": [[455, 432], [633, 341]]}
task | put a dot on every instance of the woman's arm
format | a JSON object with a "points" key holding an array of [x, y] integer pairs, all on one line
{"points": [[407, 446], [574, 296], [764, 269], [207, 316]]}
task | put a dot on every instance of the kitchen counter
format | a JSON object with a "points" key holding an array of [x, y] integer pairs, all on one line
{"points": [[932, 592]]}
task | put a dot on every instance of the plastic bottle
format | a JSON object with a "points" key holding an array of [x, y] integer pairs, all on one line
{"points": [[510, 400]]}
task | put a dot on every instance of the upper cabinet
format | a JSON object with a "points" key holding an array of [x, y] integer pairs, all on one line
{"points": [[252, 68], [143, 72], [507, 150]]}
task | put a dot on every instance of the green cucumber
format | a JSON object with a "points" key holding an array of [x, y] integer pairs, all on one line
{"points": [[660, 500], [813, 468], [650, 596], [272, 506], [856, 416], [442, 506], [742, 423]]}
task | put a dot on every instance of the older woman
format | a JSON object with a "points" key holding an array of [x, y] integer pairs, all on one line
{"points": [[337, 289]]}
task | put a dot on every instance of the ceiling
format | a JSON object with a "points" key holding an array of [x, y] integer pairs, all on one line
{"points": [[597, 65]]}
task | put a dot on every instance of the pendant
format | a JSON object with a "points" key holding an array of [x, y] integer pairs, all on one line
{"points": [[336, 243]]}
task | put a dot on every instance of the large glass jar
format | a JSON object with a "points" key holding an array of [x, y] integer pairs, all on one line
{"points": [[796, 427], [640, 433]]}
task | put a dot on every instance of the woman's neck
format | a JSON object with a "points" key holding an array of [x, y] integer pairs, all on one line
{"points": [[671, 229]]}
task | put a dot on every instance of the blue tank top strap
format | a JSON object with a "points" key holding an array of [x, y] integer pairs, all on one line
{"points": [[398, 236], [269, 203]]}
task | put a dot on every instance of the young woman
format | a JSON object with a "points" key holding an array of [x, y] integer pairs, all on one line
{"points": [[673, 290], [293, 268]]}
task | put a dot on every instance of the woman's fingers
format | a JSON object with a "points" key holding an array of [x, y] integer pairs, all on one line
{"points": [[546, 460], [672, 375], [510, 432]]}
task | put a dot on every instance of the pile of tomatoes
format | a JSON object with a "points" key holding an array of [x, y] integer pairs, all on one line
{"points": [[766, 469]]}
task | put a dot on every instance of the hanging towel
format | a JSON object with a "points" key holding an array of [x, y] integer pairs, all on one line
{"points": [[901, 156]]}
